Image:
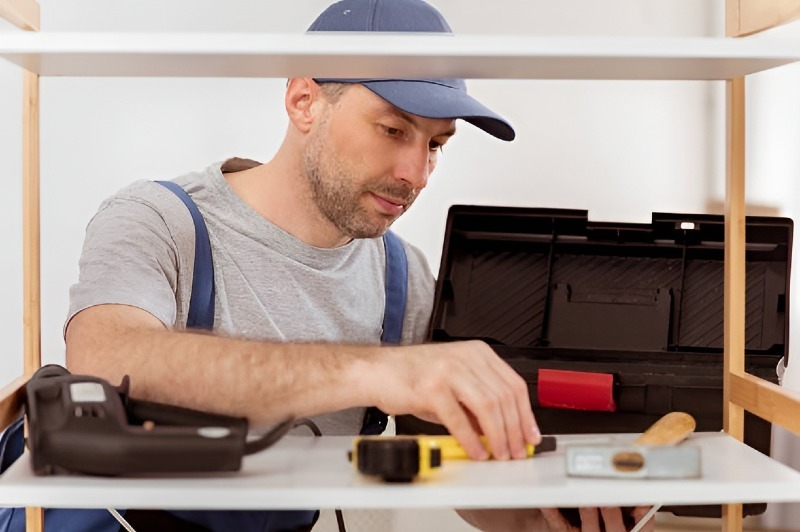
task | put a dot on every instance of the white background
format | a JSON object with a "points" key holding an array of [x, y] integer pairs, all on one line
{"points": [[622, 150]]}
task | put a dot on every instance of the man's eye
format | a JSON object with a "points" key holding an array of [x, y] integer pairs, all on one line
{"points": [[393, 131], [435, 146]]}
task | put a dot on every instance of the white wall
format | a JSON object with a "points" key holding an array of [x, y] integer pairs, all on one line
{"points": [[619, 149], [10, 218]]}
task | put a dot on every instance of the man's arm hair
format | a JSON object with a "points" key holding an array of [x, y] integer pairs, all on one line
{"points": [[265, 382]]}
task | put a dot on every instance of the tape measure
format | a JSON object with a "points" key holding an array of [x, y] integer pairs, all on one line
{"points": [[404, 458]]}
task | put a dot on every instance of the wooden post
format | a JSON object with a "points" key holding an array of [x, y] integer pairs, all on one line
{"points": [[734, 312], [31, 326], [735, 264], [734, 255], [22, 13], [745, 17], [34, 519], [30, 224]]}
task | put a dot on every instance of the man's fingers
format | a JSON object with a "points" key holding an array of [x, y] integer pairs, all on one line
{"points": [[488, 410], [555, 521], [505, 388], [612, 519], [457, 421], [590, 519], [524, 421], [530, 429], [501, 404], [468, 381], [479, 392], [519, 388]]}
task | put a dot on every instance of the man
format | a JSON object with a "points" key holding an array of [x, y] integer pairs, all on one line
{"points": [[299, 269], [298, 239]]}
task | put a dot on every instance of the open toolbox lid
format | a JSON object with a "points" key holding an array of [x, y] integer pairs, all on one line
{"points": [[550, 278], [547, 288]]}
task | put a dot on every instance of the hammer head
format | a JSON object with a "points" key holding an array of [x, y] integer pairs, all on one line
{"points": [[638, 461]]}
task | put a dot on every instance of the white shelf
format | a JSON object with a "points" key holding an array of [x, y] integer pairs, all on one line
{"points": [[327, 55], [314, 473]]}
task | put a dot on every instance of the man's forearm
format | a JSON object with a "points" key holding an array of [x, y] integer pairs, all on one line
{"points": [[264, 382]]}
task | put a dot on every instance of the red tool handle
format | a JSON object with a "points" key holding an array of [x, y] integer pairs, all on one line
{"points": [[576, 390]]}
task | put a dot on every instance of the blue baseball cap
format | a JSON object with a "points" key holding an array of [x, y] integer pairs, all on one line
{"points": [[429, 98]]}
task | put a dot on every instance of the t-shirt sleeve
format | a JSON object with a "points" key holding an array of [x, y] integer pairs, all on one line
{"points": [[129, 258]]}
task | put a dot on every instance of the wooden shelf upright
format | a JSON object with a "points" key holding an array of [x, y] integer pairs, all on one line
{"points": [[548, 58], [25, 15], [742, 391]]}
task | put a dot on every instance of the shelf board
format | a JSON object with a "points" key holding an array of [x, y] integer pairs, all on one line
{"points": [[314, 473], [358, 55]]}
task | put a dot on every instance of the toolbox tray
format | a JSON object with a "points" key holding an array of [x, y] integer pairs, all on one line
{"points": [[547, 288]]}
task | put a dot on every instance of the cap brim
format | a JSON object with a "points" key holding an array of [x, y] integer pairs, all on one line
{"points": [[433, 100]]}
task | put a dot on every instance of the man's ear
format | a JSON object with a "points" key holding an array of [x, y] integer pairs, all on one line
{"points": [[303, 102]]}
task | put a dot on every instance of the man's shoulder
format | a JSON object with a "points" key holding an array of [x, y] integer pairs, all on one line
{"points": [[148, 202], [140, 193], [151, 194]]}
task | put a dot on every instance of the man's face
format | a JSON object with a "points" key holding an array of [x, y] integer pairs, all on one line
{"points": [[366, 161]]}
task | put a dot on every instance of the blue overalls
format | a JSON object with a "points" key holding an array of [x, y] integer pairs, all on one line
{"points": [[201, 316]]}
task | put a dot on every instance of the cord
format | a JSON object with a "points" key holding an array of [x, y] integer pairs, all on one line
{"points": [[649, 515], [270, 438], [305, 422], [340, 520], [121, 520]]}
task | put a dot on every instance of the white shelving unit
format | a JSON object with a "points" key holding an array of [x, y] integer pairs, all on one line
{"points": [[308, 472], [249, 55], [328, 55]]}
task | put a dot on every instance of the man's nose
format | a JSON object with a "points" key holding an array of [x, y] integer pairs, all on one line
{"points": [[414, 166]]}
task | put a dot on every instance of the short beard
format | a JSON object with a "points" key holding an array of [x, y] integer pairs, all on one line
{"points": [[336, 193]]}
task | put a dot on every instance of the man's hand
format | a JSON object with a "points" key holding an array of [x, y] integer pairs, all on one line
{"points": [[466, 387], [591, 519], [552, 520]]}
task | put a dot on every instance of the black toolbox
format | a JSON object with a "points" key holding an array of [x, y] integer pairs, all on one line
{"points": [[549, 289]]}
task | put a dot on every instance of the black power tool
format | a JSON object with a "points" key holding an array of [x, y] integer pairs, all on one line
{"points": [[82, 424]]}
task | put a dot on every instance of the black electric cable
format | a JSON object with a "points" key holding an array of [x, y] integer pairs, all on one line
{"points": [[305, 422], [340, 520], [270, 438]]}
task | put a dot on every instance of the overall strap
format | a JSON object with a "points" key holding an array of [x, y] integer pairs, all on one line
{"points": [[12, 444], [396, 292], [396, 289], [201, 304], [201, 316]]}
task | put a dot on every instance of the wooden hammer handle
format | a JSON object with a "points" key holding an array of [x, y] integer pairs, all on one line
{"points": [[671, 429]]}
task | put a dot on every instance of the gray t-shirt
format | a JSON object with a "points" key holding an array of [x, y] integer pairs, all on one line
{"points": [[139, 251]]}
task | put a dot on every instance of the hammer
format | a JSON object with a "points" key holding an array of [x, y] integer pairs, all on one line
{"points": [[654, 454]]}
